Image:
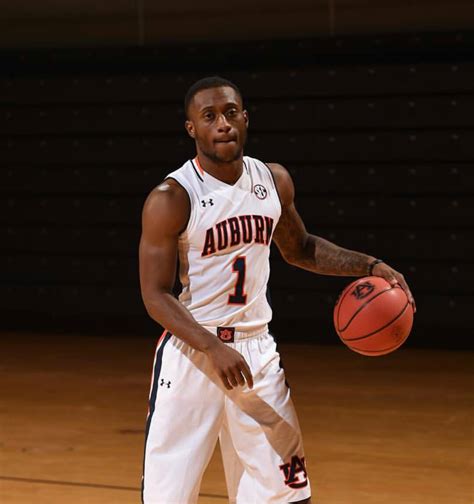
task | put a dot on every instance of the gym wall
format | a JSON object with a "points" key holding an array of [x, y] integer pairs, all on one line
{"points": [[376, 132]]}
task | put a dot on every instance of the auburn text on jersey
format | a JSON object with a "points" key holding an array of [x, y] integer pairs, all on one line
{"points": [[236, 230]]}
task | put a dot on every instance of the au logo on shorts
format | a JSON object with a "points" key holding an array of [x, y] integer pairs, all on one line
{"points": [[295, 472], [226, 334]]}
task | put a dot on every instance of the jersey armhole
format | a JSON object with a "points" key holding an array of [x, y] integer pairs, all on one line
{"points": [[189, 198], [274, 183]]}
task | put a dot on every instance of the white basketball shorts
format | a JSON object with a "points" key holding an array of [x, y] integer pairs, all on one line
{"points": [[257, 428]]}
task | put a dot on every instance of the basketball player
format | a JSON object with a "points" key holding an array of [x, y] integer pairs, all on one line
{"points": [[216, 373]]}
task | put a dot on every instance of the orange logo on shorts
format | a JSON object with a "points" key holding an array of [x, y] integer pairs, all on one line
{"points": [[292, 471], [226, 334]]}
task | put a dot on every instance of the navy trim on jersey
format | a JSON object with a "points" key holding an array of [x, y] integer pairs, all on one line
{"points": [[274, 182], [196, 171], [251, 178], [247, 169], [189, 198], [156, 375]]}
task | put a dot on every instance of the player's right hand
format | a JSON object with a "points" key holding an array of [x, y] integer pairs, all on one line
{"points": [[230, 366]]}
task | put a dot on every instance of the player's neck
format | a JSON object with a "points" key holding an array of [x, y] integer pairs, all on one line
{"points": [[225, 172]]}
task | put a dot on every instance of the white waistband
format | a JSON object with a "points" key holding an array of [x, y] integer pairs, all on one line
{"points": [[242, 335]]}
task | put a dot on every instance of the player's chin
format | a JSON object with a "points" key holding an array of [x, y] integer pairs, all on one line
{"points": [[228, 152]]}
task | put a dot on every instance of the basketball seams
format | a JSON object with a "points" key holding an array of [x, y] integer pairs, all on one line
{"points": [[339, 303], [380, 328], [383, 351], [361, 307], [363, 318]]}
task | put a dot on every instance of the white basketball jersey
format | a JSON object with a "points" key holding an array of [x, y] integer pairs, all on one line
{"points": [[224, 250]]}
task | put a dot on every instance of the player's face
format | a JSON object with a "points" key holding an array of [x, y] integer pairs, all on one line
{"points": [[218, 123]]}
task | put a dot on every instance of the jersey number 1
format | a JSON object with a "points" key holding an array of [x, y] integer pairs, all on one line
{"points": [[238, 297]]}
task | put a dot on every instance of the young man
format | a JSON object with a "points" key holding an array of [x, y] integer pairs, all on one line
{"points": [[216, 372]]}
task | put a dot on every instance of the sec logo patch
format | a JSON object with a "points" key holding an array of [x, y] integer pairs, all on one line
{"points": [[260, 191]]}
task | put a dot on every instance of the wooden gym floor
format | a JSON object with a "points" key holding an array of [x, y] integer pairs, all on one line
{"points": [[388, 430]]}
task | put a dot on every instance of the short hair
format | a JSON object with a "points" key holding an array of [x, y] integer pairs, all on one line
{"points": [[207, 83]]}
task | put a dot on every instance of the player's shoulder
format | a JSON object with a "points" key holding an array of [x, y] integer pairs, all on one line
{"points": [[283, 182], [279, 173], [168, 192], [167, 205]]}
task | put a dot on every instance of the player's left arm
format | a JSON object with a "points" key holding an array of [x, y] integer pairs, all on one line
{"points": [[313, 253]]}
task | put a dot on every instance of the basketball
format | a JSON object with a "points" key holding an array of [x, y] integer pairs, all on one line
{"points": [[373, 317]]}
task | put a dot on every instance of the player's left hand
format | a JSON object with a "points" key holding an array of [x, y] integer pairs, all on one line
{"points": [[394, 277]]}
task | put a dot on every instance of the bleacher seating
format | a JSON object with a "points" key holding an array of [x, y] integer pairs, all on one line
{"points": [[379, 141]]}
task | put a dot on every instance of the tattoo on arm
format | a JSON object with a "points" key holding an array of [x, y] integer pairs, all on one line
{"points": [[314, 253], [327, 258]]}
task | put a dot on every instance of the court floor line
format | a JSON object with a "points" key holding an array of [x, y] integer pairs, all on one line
{"points": [[90, 485]]}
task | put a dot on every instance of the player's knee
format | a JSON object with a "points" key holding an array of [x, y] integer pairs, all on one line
{"points": [[304, 501]]}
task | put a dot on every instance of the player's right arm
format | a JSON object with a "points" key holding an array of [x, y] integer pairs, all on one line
{"points": [[165, 216]]}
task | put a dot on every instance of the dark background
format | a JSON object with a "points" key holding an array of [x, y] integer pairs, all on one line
{"points": [[370, 106]]}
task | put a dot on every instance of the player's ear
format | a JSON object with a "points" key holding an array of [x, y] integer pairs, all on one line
{"points": [[190, 128], [246, 117]]}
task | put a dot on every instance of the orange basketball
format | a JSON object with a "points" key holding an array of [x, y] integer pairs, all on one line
{"points": [[373, 318]]}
